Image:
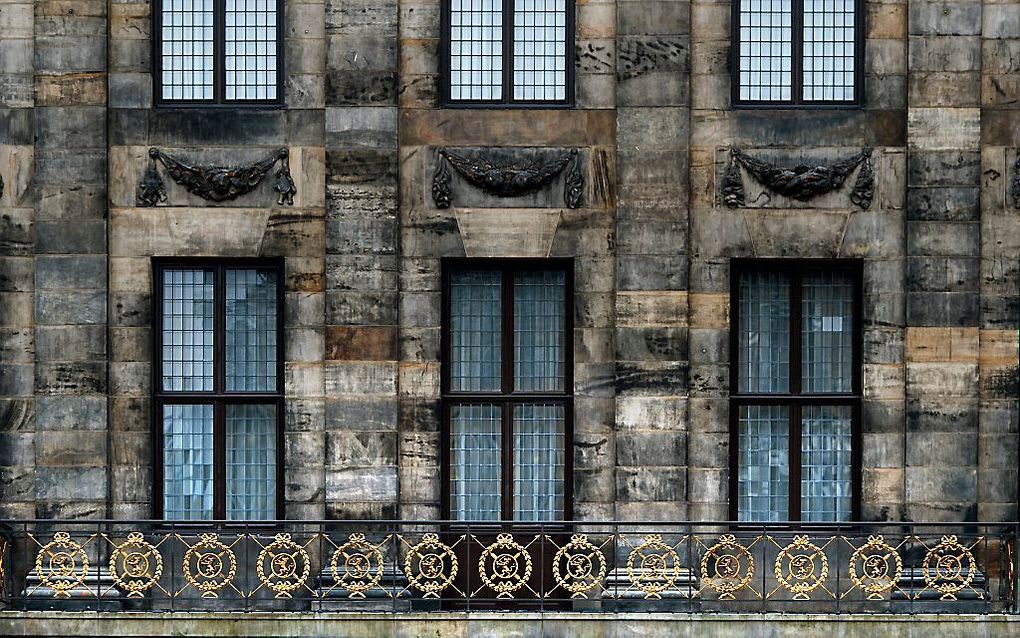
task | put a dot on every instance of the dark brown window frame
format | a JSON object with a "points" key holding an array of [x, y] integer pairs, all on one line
{"points": [[219, 398], [795, 399], [508, 398], [219, 62], [796, 64], [507, 101]]}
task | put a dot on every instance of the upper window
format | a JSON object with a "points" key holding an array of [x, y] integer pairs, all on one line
{"points": [[508, 52], [218, 389], [806, 52], [795, 393], [507, 391], [218, 51]]}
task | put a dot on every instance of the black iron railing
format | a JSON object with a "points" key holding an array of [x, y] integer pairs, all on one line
{"points": [[428, 565]]}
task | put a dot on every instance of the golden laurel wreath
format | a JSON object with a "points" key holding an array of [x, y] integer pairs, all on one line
{"points": [[205, 568], [286, 559], [658, 566], [61, 570], [362, 566], [880, 567], [500, 566], [732, 567], [948, 568], [426, 566], [135, 565], [801, 567], [579, 566]]}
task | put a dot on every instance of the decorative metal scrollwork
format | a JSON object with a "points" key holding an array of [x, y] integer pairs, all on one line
{"points": [[135, 565], [62, 564], [875, 568], [362, 564], [801, 182], [215, 183], [728, 567], [579, 566], [430, 566], [653, 566], [505, 566], [507, 179], [800, 568], [288, 566], [949, 568], [209, 565]]}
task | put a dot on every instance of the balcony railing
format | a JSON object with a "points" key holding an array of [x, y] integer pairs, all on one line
{"points": [[587, 566]]}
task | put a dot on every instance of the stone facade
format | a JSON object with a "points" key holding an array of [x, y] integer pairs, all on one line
{"points": [[651, 243]]}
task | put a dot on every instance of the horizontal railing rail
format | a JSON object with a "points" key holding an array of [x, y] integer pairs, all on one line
{"points": [[609, 566]]}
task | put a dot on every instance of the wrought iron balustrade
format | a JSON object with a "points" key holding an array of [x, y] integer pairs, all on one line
{"points": [[581, 566]]}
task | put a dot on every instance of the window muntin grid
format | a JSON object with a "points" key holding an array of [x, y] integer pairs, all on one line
{"points": [[475, 465], [476, 324], [219, 51], [826, 462], [188, 462], [797, 51], [187, 330], [251, 327], [764, 332], [827, 332], [763, 489], [251, 461], [508, 51], [539, 446], [539, 336]]}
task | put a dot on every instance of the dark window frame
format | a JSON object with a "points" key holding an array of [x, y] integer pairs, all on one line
{"points": [[794, 398], [219, 398], [507, 397], [219, 63], [797, 100], [507, 101]]}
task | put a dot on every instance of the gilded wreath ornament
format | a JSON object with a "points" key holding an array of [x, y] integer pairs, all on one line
{"points": [[727, 567], [135, 565], [949, 568], [800, 568], [653, 567], [209, 565], [361, 563], [288, 566], [875, 567], [430, 566], [62, 565], [505, 566], [579, 566]]}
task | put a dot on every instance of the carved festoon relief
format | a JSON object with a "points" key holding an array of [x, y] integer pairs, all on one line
{"points": [[1014, 190], [507, 178], [215, 183], [1, 186], [800, 182]]}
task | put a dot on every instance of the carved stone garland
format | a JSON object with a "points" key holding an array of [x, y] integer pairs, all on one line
{"points": [[1014, 190], [1, 186], [215, 183], [801, 182], [506, 179]]}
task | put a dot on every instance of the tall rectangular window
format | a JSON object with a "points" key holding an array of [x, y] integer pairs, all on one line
{"points": [[508, 52], [218, 51], [797, 52], [507, 389], [795, 390], [217, 388]]}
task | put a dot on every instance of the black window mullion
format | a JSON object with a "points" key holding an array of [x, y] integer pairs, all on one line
{"points": [[219, 50], [507, 456], [797, 48], [508, 51]]}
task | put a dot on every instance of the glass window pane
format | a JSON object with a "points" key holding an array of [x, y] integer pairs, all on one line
{"points": [[538, 462], [476, 50], [766, 37], [763, 486], [476, 317], [764, 332], [187, 50], [829, 35], [251, 330], [540, 62], [475, 433], [827, 333], [539, 331], [826, 478], [251, 462], [188, 462], [187, 330], [250, 50]]}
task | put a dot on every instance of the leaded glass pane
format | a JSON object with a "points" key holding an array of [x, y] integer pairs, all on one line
{"points": [[764, 338], [187, 330], [251, 462], [476, 318], [476, 50], [763, 487], [188, 462], [187, 55], [826, 462], [250, 50], [251, 329], [827, 333], [539, 331], [475, 433], [829, 49], [538, 462], [766, 50], [540, 50]]}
